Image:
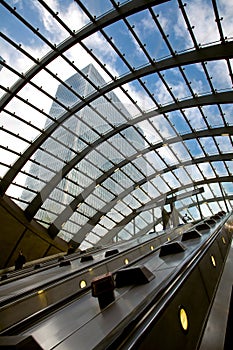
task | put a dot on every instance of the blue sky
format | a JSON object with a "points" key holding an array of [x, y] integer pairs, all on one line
{"points": [[169, 17]]}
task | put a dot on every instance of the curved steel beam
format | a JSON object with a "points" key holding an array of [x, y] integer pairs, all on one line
{"points": [[45, 192], [105, 239], [206, 54], [122, 11], [56, 226], [156, 202]]}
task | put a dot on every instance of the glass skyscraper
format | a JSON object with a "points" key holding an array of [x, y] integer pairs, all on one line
{"points": [[77, 132]]}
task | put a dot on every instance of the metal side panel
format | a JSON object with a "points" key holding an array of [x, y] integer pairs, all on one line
{"points": [[167, 333]]}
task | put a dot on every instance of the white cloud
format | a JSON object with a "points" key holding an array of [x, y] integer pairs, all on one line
{"points": [[220, 74], [226, 12], [197, 86], [201, 17]]}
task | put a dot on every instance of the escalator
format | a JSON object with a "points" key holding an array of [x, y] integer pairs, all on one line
{"points": [[160, 300]]}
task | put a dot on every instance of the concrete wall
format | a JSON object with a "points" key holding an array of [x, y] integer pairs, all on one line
{"points": [[17, 233]]}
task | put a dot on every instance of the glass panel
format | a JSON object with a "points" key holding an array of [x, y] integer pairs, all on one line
{"points": [[113, 186], [224, 144], [99, 230], [85, 210], [209, 145], [222, 80], [229, 165], [132, 172], [103, 194], [147, 216], [115, 215], [194, 173], [220, 168], [151, 134], [139, 222], [123, 208], [160, 185], [195, 119], [143, 166], [179, 123], [132, 202], [202, 22], [228, 111], [79, 219], [122, 145], [155, 161], [124, 235], [180, 151], [110, 152], [205, 210], [150, 189], [161, 125], [194, 148], [166, 154], [89, 169], [183, 176], [171, 180], [94, 202], [197, 79], [228, 188], [141, 196], [214, 207], [106, 222], [213, 116], [92, 238], [215, 188], [176, 83], [206, 170], [124, 180], [80, 179]]}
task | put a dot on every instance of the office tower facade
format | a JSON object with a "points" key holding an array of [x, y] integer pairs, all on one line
{"points": [[78, 131]]}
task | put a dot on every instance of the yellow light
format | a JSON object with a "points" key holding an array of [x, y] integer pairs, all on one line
{"points": [[184, 319], [82, 284], [213, 261], [126, 261], [168, 238], [223, 240], [152, 247], [40, 292]]}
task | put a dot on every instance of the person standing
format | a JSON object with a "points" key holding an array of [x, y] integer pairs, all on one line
{"points": [[20, 261]]}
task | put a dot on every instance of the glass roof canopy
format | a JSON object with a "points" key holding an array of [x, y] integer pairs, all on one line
{"points": [[112, 111]]}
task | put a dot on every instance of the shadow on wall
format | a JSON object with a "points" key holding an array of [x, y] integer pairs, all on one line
{"points": [[17, 233]]}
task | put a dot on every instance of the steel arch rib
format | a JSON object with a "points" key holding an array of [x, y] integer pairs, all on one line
{"points": [[125, 10], [107, 239], [224, 97], [130, 217], [71, 207], [56, 226], [214, 52]]}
